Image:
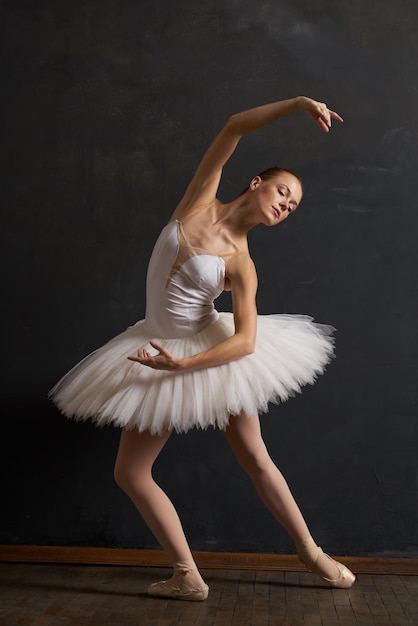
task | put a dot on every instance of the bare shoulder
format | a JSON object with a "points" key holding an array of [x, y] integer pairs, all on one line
{"points": [[241, 270], [195, 201]]}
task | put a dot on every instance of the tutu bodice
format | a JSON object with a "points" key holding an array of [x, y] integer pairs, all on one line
{"points": [[182, 283]]}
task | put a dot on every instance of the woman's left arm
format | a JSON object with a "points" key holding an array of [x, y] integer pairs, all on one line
{"points": [[204, 185], [243, 278]]}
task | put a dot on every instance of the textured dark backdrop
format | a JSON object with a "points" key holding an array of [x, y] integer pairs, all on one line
{"points": [[107, 108]]}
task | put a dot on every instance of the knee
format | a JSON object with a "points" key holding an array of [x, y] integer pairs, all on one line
{"points": [[134, 480], [120, 476], [255, 463], [125, 477]]}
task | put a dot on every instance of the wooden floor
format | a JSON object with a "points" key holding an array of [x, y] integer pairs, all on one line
{"points": [[54, 595]]}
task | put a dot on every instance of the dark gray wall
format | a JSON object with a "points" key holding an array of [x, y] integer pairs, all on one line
{"points": [[107, 108]]}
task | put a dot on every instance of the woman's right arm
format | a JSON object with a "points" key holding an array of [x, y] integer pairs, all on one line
{"points": [[204, 184], [243, 278]]}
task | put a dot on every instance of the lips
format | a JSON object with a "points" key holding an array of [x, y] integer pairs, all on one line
{"points": [[276, 212]]}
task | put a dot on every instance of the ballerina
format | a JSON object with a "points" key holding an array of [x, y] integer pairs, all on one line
{"points": [[187, 365]]}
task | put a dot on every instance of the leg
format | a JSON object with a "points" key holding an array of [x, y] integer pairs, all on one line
{"points": [[244, 436], [133, 473]]}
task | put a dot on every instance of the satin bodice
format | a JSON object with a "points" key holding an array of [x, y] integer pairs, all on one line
{"points": [[182, 283]]}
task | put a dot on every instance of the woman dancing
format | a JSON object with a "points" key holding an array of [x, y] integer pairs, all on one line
{"points": [[186, 365]]}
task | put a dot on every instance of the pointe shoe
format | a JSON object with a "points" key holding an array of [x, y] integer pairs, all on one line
{"points": [[176, 588], [346, 578]]}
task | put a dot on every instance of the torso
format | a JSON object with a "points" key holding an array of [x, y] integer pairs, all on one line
{"points": [[182, 283], [202, 230]]}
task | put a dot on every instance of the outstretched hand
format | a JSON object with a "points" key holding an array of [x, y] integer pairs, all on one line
{"points": [[319, 113], [164, 360]]}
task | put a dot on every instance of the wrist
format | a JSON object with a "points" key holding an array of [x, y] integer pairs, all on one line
{"points": [[183, 364], [301, 102]]}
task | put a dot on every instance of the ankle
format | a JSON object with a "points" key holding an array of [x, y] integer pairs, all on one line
{"points": [[307, 548], [184, 567], [188, 572]]}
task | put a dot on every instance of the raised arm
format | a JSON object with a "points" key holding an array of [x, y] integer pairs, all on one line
{"points": [[204, 184]]}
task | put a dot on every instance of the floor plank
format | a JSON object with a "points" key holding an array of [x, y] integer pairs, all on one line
{"points": [[72, 595]]}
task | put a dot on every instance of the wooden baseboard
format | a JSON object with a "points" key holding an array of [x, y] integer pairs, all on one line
{"points": [[205, 560]]}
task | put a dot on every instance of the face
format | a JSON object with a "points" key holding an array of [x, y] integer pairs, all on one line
{"points": [[275, 198]]}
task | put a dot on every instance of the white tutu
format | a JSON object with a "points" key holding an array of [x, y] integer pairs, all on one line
{"points": [[291, 350]]}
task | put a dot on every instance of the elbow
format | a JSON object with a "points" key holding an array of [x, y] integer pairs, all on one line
{"points": [[233, 125], [248, 347], [245, 343]]}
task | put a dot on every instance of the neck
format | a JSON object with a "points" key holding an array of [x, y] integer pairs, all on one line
{"points": [[237, 215]]}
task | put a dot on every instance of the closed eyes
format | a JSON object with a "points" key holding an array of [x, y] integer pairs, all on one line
{"points": [[285, 191]]}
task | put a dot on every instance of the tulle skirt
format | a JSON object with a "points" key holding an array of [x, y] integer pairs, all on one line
{"points": [[291, 351]]}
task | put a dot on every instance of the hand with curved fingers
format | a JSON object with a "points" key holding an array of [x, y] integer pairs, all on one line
{"points": [[164, 360], [319, 113]]}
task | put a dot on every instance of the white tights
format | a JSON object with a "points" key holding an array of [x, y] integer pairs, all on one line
{"points": [[133, 473]]}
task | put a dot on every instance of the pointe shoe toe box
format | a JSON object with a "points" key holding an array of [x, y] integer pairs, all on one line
{"points": [[345, 580], [164, 589], [309, 553]]}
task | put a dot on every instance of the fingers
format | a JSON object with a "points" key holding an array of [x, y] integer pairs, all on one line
{"points": [[162, 360], [321, 114], [326, 117], [323, 124], [145, 358], [141, 356], [145, 354], [157, 346], [335, 116]]}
